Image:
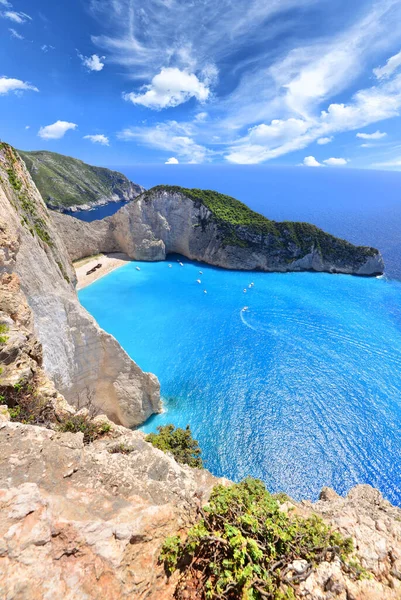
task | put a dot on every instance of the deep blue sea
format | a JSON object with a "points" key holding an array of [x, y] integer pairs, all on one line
{"points": [[301, 390]]}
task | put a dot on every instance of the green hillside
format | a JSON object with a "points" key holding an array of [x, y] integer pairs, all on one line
{"points": [[65, 182]]}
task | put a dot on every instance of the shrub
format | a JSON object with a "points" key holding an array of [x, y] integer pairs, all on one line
{"points": [[179, 442], [3, 330], [243, 547], [121, 449], [92, 430], [26, 405]]}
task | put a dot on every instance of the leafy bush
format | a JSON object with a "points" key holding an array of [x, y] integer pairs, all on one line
{"points": [[179, 442], [244, 547], [13, 179], [121, 449], [92, 430], [26, 405], [3, 330]]}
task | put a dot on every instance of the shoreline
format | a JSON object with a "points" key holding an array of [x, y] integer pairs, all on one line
{"points": [[109, 262]]}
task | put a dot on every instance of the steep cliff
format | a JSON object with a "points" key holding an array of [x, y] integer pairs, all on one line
{"points": [[216, 229], [68, 183], [78, 356]]}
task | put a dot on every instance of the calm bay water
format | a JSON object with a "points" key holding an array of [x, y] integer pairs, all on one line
{"points": [[301, 390]]}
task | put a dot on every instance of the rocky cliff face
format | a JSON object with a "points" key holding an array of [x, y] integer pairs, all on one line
{"points": [[217, 230], [78, 356], [66, 183]]}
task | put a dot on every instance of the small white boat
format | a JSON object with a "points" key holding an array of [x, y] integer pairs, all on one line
{"points": [[170, 266], [137, 268], [252, 284], [245, 309], [200, 272], [181, 264], [198, 281], [249, 286], [205, 291], [244, 290]]}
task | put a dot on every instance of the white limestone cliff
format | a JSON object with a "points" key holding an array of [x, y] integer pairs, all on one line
{"points": [[78, 355]]}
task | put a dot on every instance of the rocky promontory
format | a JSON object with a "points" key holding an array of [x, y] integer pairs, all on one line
{"points": [[216, 229]]}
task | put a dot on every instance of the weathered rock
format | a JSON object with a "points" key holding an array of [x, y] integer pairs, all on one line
{"points": [[78, 522], [78, 356], [375, 526]]}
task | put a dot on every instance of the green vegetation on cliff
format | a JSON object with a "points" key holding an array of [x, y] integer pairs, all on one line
{"points": [[64, 181], [178, 442], [241, 226], [244, 546]]}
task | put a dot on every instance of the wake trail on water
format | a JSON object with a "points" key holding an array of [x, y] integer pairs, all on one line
{"points": [[325, 330]]}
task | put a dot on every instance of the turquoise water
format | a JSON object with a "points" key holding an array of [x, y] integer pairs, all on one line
{"points": [[301, 390]]}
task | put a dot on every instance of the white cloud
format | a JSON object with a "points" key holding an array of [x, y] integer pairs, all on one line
{"points": [[377, 135], [324, 140], [5, 3], [366, 107], [15, 34], [169, 136], [27, 126], [98, 139], [46, 48], [391, 65], [56, 131], [335, 162], [8, 84], [310, 161], [16, 17], [92, 63], [201, 117], [172, 161], [170, 87]]}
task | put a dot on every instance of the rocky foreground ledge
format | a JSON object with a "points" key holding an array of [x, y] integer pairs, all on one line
{"points": [[216, 229], [81, 522]]}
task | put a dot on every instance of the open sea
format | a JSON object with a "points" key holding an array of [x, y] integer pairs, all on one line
{"points": [[302, 389]]}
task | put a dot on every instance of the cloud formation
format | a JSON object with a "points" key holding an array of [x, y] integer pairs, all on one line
{"points": [[92, 63], [335, 162], [171, 161], [8, 84], [377, 135], [393, 63], [99, 138], [310, 161], [169, 88], [16, 17], [169, 136], [56, 131], [324, 140]]}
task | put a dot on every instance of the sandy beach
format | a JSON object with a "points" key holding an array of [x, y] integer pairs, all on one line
{"points": [[108, 263]]}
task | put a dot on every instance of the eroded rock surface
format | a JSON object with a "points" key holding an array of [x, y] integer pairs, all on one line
{"points": [[77, 522]]}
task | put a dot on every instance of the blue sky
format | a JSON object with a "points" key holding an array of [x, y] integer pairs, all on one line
{"points": [[295, 82]]}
